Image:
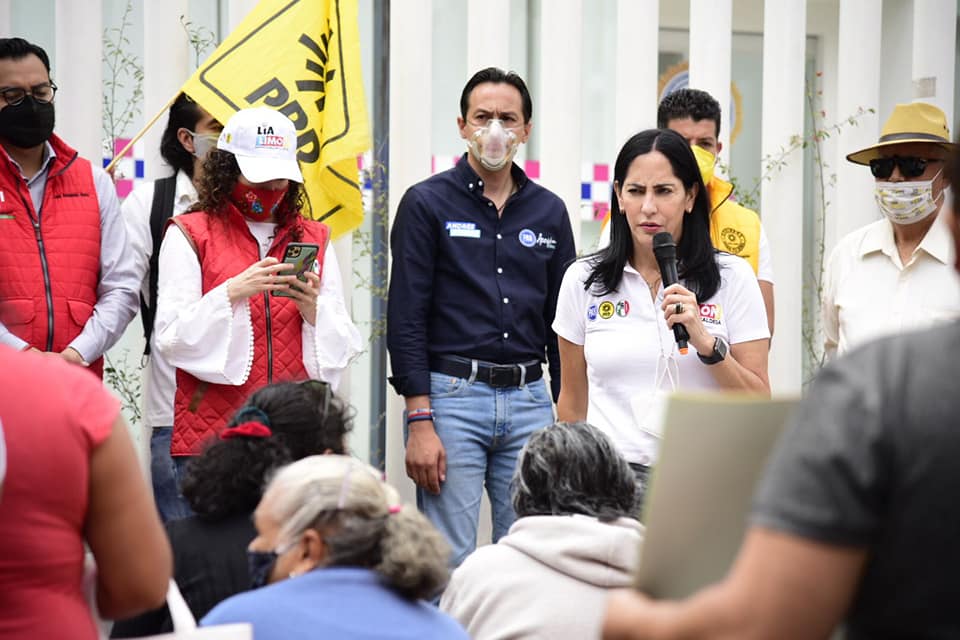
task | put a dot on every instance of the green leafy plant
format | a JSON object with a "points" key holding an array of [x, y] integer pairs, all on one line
{"points": [[201, 39], [824, 180], [365, 246], [123, 71], [127, 383]]}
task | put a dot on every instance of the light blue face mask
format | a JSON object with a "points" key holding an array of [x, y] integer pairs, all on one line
{"points": [[202, 143]]}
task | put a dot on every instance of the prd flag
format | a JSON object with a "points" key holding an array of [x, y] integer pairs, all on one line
{"points": [[302, 58]]}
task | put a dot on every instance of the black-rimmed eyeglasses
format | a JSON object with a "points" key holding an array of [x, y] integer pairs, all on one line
{"points": [[42, 93]]}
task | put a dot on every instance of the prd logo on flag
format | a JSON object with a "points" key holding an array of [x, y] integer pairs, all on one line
{"points": [[302, 58]]}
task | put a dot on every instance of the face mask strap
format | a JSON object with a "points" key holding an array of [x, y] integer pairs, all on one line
{"points": [[667, 369]]}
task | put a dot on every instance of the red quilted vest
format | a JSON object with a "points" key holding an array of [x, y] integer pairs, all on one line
{"points": [[225, 247], [49, 269]]}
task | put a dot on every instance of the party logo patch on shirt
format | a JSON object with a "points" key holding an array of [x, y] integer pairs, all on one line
{"points": [[623, 308], [532, 239], [592, 312], [463, 230], [711, 314], [607, 309]]}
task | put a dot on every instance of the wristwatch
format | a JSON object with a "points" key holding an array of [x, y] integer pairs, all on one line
{"points": [[720, 348]]}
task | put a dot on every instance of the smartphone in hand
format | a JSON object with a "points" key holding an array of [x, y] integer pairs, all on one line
{"points": [[301, 256]]}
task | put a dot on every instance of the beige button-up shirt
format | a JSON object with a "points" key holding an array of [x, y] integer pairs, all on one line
{"points": [[869, 292]]}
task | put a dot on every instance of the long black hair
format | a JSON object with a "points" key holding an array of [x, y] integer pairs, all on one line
{"points": [[184, 114], [696, 256]]}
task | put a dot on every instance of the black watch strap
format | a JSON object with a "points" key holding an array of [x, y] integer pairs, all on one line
{"points": [[720, 348]]}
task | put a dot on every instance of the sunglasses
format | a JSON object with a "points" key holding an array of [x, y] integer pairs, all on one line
{"points": [[910, 166]]}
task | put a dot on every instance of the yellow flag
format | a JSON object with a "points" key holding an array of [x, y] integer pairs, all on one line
{"points": [[301, 57]]}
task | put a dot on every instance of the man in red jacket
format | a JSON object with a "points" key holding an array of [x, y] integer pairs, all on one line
{"points": [[65, 284]]}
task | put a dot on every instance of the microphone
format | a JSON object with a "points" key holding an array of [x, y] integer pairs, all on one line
{"points": [[665, 251]]}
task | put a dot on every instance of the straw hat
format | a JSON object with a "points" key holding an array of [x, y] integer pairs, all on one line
{"points": [[913, 122]]}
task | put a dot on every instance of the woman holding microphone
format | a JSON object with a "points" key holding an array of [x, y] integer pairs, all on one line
{"points": [[615, 320]]}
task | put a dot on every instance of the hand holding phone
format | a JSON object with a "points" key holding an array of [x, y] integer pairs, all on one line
{"points": [[301, 256]]}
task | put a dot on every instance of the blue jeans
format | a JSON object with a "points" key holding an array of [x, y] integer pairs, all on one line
{"points": [[166, 473], [482, 429]]}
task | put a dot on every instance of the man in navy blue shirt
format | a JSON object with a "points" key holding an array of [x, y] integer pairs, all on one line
{"points": [[479, 252]]}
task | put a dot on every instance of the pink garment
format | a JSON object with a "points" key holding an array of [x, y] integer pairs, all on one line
{"points": [[54, 415]]}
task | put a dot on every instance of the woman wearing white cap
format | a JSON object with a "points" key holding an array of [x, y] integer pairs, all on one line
{"points": [[227, 318]]}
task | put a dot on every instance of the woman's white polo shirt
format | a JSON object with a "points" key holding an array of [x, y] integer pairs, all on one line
{"points": [[624, 335]]}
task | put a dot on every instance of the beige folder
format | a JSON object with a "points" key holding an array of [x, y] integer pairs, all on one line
{"points": [[713, 452]]}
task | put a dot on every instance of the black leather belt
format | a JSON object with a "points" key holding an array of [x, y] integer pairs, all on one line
{"points": [[495, 375]]}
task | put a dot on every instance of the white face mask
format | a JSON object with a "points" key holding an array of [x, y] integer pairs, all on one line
{"points": [[493, 145], [906, 202], [202, 143]]}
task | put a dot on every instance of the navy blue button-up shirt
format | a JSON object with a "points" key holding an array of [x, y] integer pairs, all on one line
{"points": [[470, 283]]}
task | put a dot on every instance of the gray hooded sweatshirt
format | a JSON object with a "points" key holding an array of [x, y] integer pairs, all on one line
{"points": [[547, 578]]}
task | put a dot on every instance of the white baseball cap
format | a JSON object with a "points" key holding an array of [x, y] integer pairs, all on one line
{"points": [[265, 144]]}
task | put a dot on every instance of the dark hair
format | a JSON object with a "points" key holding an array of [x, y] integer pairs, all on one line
{"points": [[496, 76], [228, 478], [688, 103], [17, 48], [572, 468], [220, 174], [696, 259], [184, 114]]}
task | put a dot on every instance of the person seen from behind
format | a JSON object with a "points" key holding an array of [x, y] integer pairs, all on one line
{"points": [[576, 536], [342, 558], [72, 480], [279, 424]]}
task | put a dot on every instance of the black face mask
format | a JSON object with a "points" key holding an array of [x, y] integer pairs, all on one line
{"points": [[27, 124], [260, 565]]}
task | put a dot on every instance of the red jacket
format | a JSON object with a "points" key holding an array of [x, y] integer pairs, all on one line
{"points": [[49, 266], [225, 247]]}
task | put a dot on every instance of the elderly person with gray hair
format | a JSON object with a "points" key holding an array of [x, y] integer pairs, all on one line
{"points": [[575, 538], [342, 558]]}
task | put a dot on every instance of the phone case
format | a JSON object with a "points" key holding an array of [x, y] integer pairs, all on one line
{"points": [[301, 256]]}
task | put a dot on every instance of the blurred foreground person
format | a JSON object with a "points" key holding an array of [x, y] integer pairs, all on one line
{"points": [[279, 424], [342, 558], [575, 537], [72, 477], [857, 517]]}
